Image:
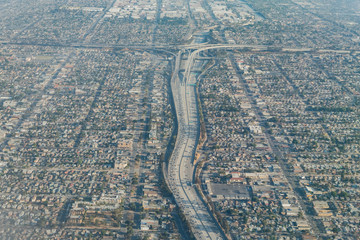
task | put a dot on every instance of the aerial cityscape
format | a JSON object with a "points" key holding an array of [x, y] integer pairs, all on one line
{"points": [[187, 119]]}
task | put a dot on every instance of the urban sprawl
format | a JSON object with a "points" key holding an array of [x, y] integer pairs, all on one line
{"points": [[193, 119]]}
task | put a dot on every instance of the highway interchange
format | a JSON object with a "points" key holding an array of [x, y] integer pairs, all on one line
{"points": [[183, 86], [180, 169]]}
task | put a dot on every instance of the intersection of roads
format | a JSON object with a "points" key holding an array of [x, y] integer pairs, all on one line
{"points": [[181, 169]]}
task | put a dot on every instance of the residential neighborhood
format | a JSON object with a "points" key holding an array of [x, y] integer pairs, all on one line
{"points": [[198, 119]]}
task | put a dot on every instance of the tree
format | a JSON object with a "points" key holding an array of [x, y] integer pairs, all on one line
{"points": [[132, 206], [42, 222], [146, 237], [118, 214]]}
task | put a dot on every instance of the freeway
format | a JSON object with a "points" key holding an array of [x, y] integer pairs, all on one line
{"points": [[180, 169], [198, 46]]}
